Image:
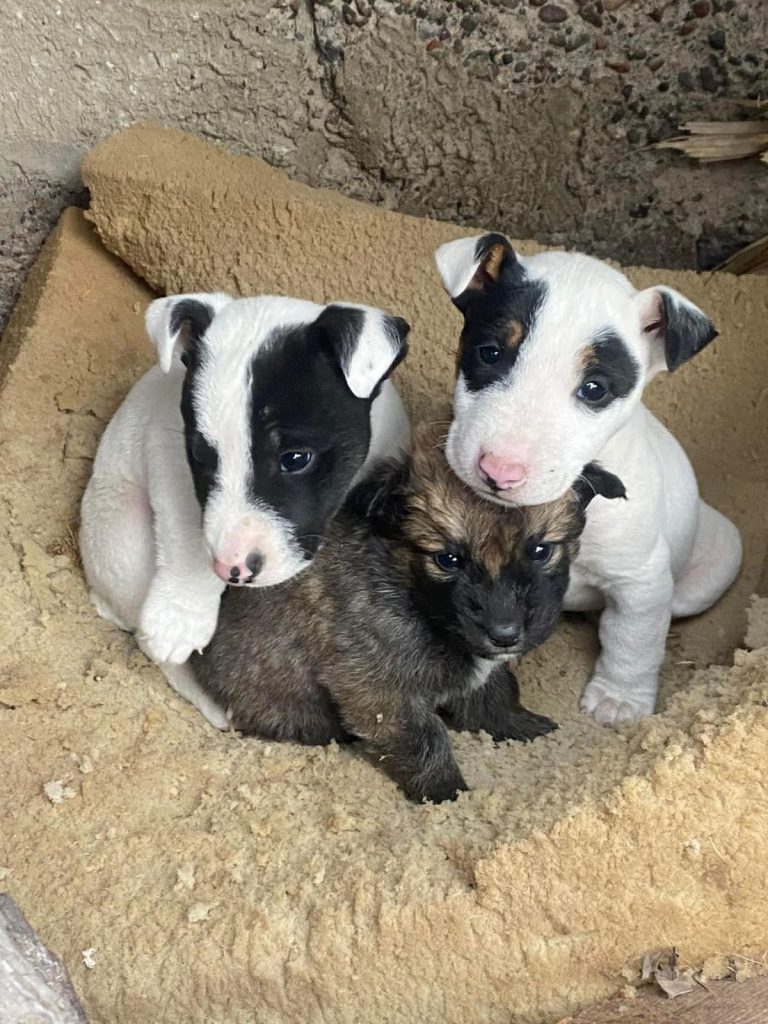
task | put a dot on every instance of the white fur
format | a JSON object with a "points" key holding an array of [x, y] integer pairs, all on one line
{"points": [[663, 551], [158, 323], [147, 556], [375, 352], [457, 264]]}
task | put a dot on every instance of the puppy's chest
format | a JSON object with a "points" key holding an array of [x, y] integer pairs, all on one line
{"points": [[463, 678]]}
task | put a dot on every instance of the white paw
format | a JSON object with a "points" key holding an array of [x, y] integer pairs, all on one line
{"points": [[173, 625], [611, 705]]}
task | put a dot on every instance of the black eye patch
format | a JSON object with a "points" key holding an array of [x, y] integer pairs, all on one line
{"points": [[202, 457], [496, 324], [201, 452], [610, 371], [308, 432]]}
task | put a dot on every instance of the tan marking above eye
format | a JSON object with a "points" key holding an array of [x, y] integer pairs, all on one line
{"points": [[587, 357], [430, 548], [515, 335]]}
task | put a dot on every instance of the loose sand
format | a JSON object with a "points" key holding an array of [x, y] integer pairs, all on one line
{"points": [[228, 881]]}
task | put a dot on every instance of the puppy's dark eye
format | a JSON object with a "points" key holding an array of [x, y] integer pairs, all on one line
{"points": [[296, 461], [592, 392], [489, 354], [447, 561], [541, 552]]}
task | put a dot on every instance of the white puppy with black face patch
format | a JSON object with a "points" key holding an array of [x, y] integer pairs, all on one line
{"points": [[225, 464], [554, 355]]}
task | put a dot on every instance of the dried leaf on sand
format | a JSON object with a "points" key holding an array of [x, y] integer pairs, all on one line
{"points": [[660, 968]]}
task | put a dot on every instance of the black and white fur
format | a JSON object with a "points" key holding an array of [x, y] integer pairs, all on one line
{"points": [[226, 462], [554, 355]]}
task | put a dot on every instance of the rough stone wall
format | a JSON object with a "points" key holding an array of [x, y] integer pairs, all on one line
{"points": [[528, 115]]}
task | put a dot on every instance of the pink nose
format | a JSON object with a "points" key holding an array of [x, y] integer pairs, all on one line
{"points": [[241, 572], [502, 473]]}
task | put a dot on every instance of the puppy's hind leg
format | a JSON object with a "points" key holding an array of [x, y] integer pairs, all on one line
{"points": [[713, 566], [117, 548]]}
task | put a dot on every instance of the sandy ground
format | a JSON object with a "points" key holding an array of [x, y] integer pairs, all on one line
{"points": [[226, 881]]}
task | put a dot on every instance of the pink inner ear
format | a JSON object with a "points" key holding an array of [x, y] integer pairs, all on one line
{"points": [[652, 318], [184, 334]]}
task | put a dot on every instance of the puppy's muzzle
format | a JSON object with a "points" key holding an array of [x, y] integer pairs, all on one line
{"points": [[242, 572], [502, 474], [505, 634]]}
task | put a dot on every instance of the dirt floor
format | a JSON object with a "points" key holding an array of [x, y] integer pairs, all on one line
{"points": [[720, 1002], [188, 876]]}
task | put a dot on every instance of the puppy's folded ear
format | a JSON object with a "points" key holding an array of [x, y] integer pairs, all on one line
{"points": [[382, 496], [176, 322], [472, 265], [675, 328], [367, 343], [595, 480]]}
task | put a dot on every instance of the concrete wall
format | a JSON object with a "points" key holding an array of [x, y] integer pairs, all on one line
{"points": [[528, 115]]}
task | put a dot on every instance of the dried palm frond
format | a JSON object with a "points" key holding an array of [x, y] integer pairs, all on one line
{"points": [[751, 260], [759, 104], [711, 141]]}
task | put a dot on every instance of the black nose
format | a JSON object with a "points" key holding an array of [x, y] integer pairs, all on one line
{"points": [[504, 634], [254, 561]]}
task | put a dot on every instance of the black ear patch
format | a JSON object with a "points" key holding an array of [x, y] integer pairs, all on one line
{"points": [[366, 352], [339, 327], [401, 329], [382, 497], [498, 263], [497, 259], [189, 321], [595, 480], [686, 330]]}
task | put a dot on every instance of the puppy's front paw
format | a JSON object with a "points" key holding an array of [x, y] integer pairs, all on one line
{"points": [[611, 705], [524, 725], [173, 624], [437, 790]]}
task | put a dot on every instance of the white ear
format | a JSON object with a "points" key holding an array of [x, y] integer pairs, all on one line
{"points": [[174, 322], [474, 265], [368, 344], [457, 263]]}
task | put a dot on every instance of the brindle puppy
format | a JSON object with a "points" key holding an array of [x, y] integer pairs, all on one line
{"points": [[411, 611]]}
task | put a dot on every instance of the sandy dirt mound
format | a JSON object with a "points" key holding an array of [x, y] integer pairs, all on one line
{"points": [[228, 881]]}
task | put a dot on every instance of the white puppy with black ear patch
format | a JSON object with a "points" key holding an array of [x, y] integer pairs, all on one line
{"points": [[225, 464], [554, 355]]}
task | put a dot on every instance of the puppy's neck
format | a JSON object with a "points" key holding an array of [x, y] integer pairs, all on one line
{"points": [[621, 447]]}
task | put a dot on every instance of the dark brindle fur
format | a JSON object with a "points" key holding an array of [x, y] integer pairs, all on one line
{"points": [[405, 622]]}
